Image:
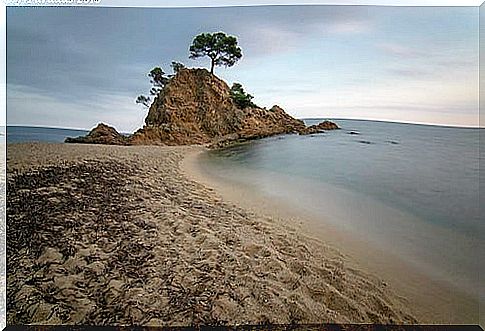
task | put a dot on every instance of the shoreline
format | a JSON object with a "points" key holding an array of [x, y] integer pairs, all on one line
{"points": [[433, 301], [121, 235]]}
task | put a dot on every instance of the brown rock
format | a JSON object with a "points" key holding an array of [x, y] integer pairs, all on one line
{"points": [[320, 128], [101, 134], [193, 108], [196, 108]]}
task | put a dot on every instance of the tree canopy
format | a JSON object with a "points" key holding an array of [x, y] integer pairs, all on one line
{"points": [[145, 101], [158, 79], [219, 47], [240, 97]]}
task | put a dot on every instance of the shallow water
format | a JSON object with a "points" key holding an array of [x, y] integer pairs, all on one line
{"points": [[409, 189]]}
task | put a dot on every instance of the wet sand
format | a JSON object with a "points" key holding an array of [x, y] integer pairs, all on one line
{"points": [[431, 300], [112, 235]]}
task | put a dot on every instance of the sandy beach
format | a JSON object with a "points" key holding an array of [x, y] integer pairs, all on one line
{"points": [[432, 300], [122, 235]]}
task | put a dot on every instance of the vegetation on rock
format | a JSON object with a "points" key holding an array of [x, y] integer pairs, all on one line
{"points": [[144, 100], [240, 97], [158, 79], [177, 66]]}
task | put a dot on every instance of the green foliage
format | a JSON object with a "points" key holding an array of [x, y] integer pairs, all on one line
{"points": [[158, 79], [145, 101], [176, 66], [219, 47], [241, 98]]}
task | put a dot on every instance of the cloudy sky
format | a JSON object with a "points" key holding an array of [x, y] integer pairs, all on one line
{"points": [[75, 67]]}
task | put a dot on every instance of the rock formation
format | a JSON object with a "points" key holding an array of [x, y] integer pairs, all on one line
{"points": [[196, 107], [193, 108], [101, 134], [319, 128]]}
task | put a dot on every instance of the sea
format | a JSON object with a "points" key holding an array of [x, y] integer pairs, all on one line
{"points": [[17, 134], [412, 190]]}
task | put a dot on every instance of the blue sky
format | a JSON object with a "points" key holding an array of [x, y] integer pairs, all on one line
{"points": [[75, 67]]}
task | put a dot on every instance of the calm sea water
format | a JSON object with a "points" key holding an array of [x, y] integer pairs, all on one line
{"points": [[412, 189], [17, 134]]}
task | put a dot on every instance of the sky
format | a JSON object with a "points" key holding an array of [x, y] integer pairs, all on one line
{"points": [[77, 66]]}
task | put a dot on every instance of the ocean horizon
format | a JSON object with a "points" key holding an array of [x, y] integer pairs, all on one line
{"points": [[18, 134], [26, 133], [307, 120], [38, 133]]}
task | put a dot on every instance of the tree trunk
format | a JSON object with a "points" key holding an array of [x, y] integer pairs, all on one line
{"points": [[212, 66]]}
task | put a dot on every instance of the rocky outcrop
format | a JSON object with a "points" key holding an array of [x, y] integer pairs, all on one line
{"points": [[319, 128], [101, 134], [195, 107], [259, 123]]}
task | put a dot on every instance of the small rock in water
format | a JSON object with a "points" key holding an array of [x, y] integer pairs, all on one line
{"points": [[365, 142], [353, 132], [319, 128]]}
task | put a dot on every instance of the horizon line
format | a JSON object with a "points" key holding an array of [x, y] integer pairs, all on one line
{"points": [[300, 118], [397, 122]]}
